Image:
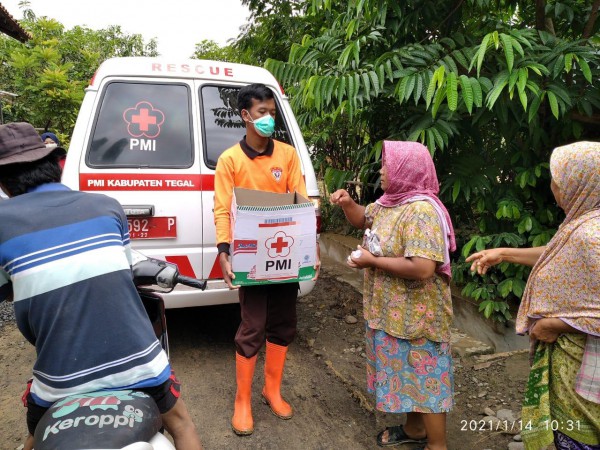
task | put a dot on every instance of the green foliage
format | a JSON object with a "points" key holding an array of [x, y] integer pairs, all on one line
{"points": [[208, 49], [50, 72], [272, 28], [489, 87]]}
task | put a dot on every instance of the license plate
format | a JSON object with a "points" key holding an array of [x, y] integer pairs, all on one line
{"points": [[152, 228]]}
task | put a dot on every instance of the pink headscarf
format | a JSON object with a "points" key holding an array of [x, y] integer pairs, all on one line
{"points": [[564, 281], [411, 177]]}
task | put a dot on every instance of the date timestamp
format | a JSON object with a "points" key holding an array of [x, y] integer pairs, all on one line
{"points": [[517, 425], [495, 425]]}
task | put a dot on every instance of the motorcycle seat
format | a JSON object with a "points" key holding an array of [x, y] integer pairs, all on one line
{"points": [[98, 420]]}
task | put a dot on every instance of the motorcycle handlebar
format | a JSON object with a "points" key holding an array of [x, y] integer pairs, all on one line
{"points": [[191, 282]]}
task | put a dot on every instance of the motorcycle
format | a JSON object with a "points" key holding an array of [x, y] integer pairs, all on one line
{"points": [[119, 419]]}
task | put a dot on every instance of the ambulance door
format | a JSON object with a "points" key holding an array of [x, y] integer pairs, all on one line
{"points": [[141, 151]]}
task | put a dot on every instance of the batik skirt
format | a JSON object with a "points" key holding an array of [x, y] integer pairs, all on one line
{"points": [[552, 409], [409, 375]]}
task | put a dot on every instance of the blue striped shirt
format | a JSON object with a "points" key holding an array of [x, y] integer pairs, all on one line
{"points": [[65, 258]]}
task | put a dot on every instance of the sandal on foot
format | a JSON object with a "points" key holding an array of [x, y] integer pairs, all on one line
{"points": [[397, 436]]}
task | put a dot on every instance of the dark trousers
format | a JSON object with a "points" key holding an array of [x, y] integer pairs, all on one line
{"points": [[268, 311]]}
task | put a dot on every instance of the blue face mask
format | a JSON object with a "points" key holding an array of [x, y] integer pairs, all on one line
{"points": [[264, 126]]}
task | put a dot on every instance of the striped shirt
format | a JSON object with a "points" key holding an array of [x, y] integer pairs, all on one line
{"points": [[65, 259]]}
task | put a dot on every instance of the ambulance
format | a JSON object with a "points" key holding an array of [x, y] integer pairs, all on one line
{"points": [[149, 133]]}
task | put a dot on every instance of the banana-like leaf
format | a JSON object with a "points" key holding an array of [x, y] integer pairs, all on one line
{"points": [[523, 98], [517, 46], [366, 85], [430, 91], [553, 103], [585, 69], [376, 81], [500, 82], [341, 88], [467, 92], [418, 88], [437, 102], [477, 92], [508, 50], [410, 85], [481, 53], [535, 106], [452, 91]]}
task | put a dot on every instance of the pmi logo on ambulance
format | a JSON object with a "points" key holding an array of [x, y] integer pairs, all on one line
{"points": [[143, 121]]}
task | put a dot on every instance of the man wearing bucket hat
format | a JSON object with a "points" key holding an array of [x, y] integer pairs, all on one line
{"points": [[65, 263]]}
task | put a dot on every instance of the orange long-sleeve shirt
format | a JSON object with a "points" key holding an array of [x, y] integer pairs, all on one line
{"points": [[277, 170]]}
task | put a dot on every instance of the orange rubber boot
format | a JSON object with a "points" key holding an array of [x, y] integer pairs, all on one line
{"points": [[242, 422], [274, 362]]}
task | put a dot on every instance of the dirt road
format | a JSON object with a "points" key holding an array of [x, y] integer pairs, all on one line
{"points": [[324, 381]]}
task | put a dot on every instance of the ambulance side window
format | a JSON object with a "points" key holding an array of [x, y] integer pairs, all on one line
{"points": [[143, 125], [223, 126]]}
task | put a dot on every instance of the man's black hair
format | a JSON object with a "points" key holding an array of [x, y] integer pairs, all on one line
{"points": [[256, 91], [19, 178]]}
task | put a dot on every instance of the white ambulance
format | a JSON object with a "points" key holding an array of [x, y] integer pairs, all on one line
{"points": [[149, 133]]}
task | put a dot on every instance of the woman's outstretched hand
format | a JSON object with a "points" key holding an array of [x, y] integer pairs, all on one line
{"points": [[341, 198], [485, 259], [352, 210]]}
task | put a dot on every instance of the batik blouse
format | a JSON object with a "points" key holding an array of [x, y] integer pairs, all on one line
{"points": [[408, 309]]}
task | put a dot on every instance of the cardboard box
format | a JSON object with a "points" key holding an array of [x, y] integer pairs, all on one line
{"points": [[274, 237]]}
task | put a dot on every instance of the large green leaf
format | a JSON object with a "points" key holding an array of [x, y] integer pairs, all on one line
{"points": [[430, 91], [345, 55], [418, 88], [507, 44], [437, 102], [585, 69], [523, 99], [376, 81], [366, 85], [522, 79], [410, 85], [499, 83], [477, 93], [401, 88], [467, 92], [481, 52], [452, 91], [341, 88], [553, 103]]}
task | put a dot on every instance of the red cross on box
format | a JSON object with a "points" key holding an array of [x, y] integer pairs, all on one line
{"points": [[280, 244]]}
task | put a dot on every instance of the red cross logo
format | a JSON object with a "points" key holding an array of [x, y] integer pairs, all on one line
{"points": [[143, 120], [279, 245]]}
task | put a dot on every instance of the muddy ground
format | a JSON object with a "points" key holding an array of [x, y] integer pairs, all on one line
{"points": [[324, 381]]}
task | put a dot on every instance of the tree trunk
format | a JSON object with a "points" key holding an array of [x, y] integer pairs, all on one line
{"points": [[589, 26], [540, 15]]}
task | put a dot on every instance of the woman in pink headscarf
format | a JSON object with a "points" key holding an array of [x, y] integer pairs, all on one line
{"points": [[560, 309], [407, 302]]}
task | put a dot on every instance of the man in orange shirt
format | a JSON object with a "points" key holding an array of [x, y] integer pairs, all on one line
{"points": [[268, 311]]}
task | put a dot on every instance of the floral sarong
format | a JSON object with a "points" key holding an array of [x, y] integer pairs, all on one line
{"points": [[409, 376]]}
